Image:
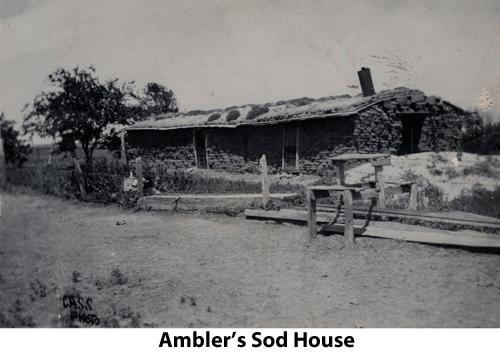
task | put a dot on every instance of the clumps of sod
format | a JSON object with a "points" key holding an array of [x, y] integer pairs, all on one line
{"points": [[213, 117], [233, 115], [256, 111], [196, 112]]}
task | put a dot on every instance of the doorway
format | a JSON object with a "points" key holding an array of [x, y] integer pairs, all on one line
{"points": [[412, 130], [290, 148]]}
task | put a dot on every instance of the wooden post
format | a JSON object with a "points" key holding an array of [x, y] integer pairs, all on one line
{"points": [[265, 181], [349, 217], [124, 148], [413, 196], [79, 175], [140, 190], [340, 169], [50, 155], [3, 166], [379, 178], [311, 214]]}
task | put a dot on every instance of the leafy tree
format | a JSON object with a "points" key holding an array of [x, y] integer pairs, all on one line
{"points": [[81, 108], [158, 99], [16, 151], [481, 134]]}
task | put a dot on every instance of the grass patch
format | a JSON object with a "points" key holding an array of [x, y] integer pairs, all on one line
{"points": [[233, 115], [213, 117], [489, 168], [256, 111]]}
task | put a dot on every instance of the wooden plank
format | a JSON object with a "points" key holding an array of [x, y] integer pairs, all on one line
{"points": [[349, 219], [324, 210], [431, 236], [265, 180], [222, 196], [446, 218], [380, 162], [365, 194], [199, 202], [389, 230], [291, 215], [336, 188], [358, 156], [471, 216], [140, 184], [311, 214]]}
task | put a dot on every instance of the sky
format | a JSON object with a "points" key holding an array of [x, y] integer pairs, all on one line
{"points": [[220, 53]]}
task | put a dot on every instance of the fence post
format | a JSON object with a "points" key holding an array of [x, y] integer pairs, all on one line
{"points": [[265, 181], [140, 190], [50, 155], [79, 175], [124, 149], [3, 166], [379, 177], [311, 213]]}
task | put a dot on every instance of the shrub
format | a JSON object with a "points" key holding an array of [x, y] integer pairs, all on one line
{"points": [[103, 178], [16, 150], [233, 115], [213, 117], [485, 168], [256, 111], [478, 200], [435, 197]]}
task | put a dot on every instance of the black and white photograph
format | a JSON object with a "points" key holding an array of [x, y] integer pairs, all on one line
{"points": [[250, 164]]}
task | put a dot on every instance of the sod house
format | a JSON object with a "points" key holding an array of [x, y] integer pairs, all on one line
{"points": [[300, 135]]}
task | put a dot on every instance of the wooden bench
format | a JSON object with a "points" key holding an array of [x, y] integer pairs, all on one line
{"points": [[377, 191]]}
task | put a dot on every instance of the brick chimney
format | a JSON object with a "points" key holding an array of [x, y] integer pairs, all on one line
{"points": [[365, 79]]}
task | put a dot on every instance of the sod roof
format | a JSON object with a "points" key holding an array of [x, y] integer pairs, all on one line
{"points": [[273, 113]]}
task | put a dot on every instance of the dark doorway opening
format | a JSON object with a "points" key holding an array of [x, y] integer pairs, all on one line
{"points": [[200, 145], [412, 130], [290, 155]]}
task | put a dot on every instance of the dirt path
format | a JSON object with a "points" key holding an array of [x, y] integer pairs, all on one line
{"points": [[203, 270]]}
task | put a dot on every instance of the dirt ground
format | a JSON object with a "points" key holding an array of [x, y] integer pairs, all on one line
{"points": [[152, 269]]}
